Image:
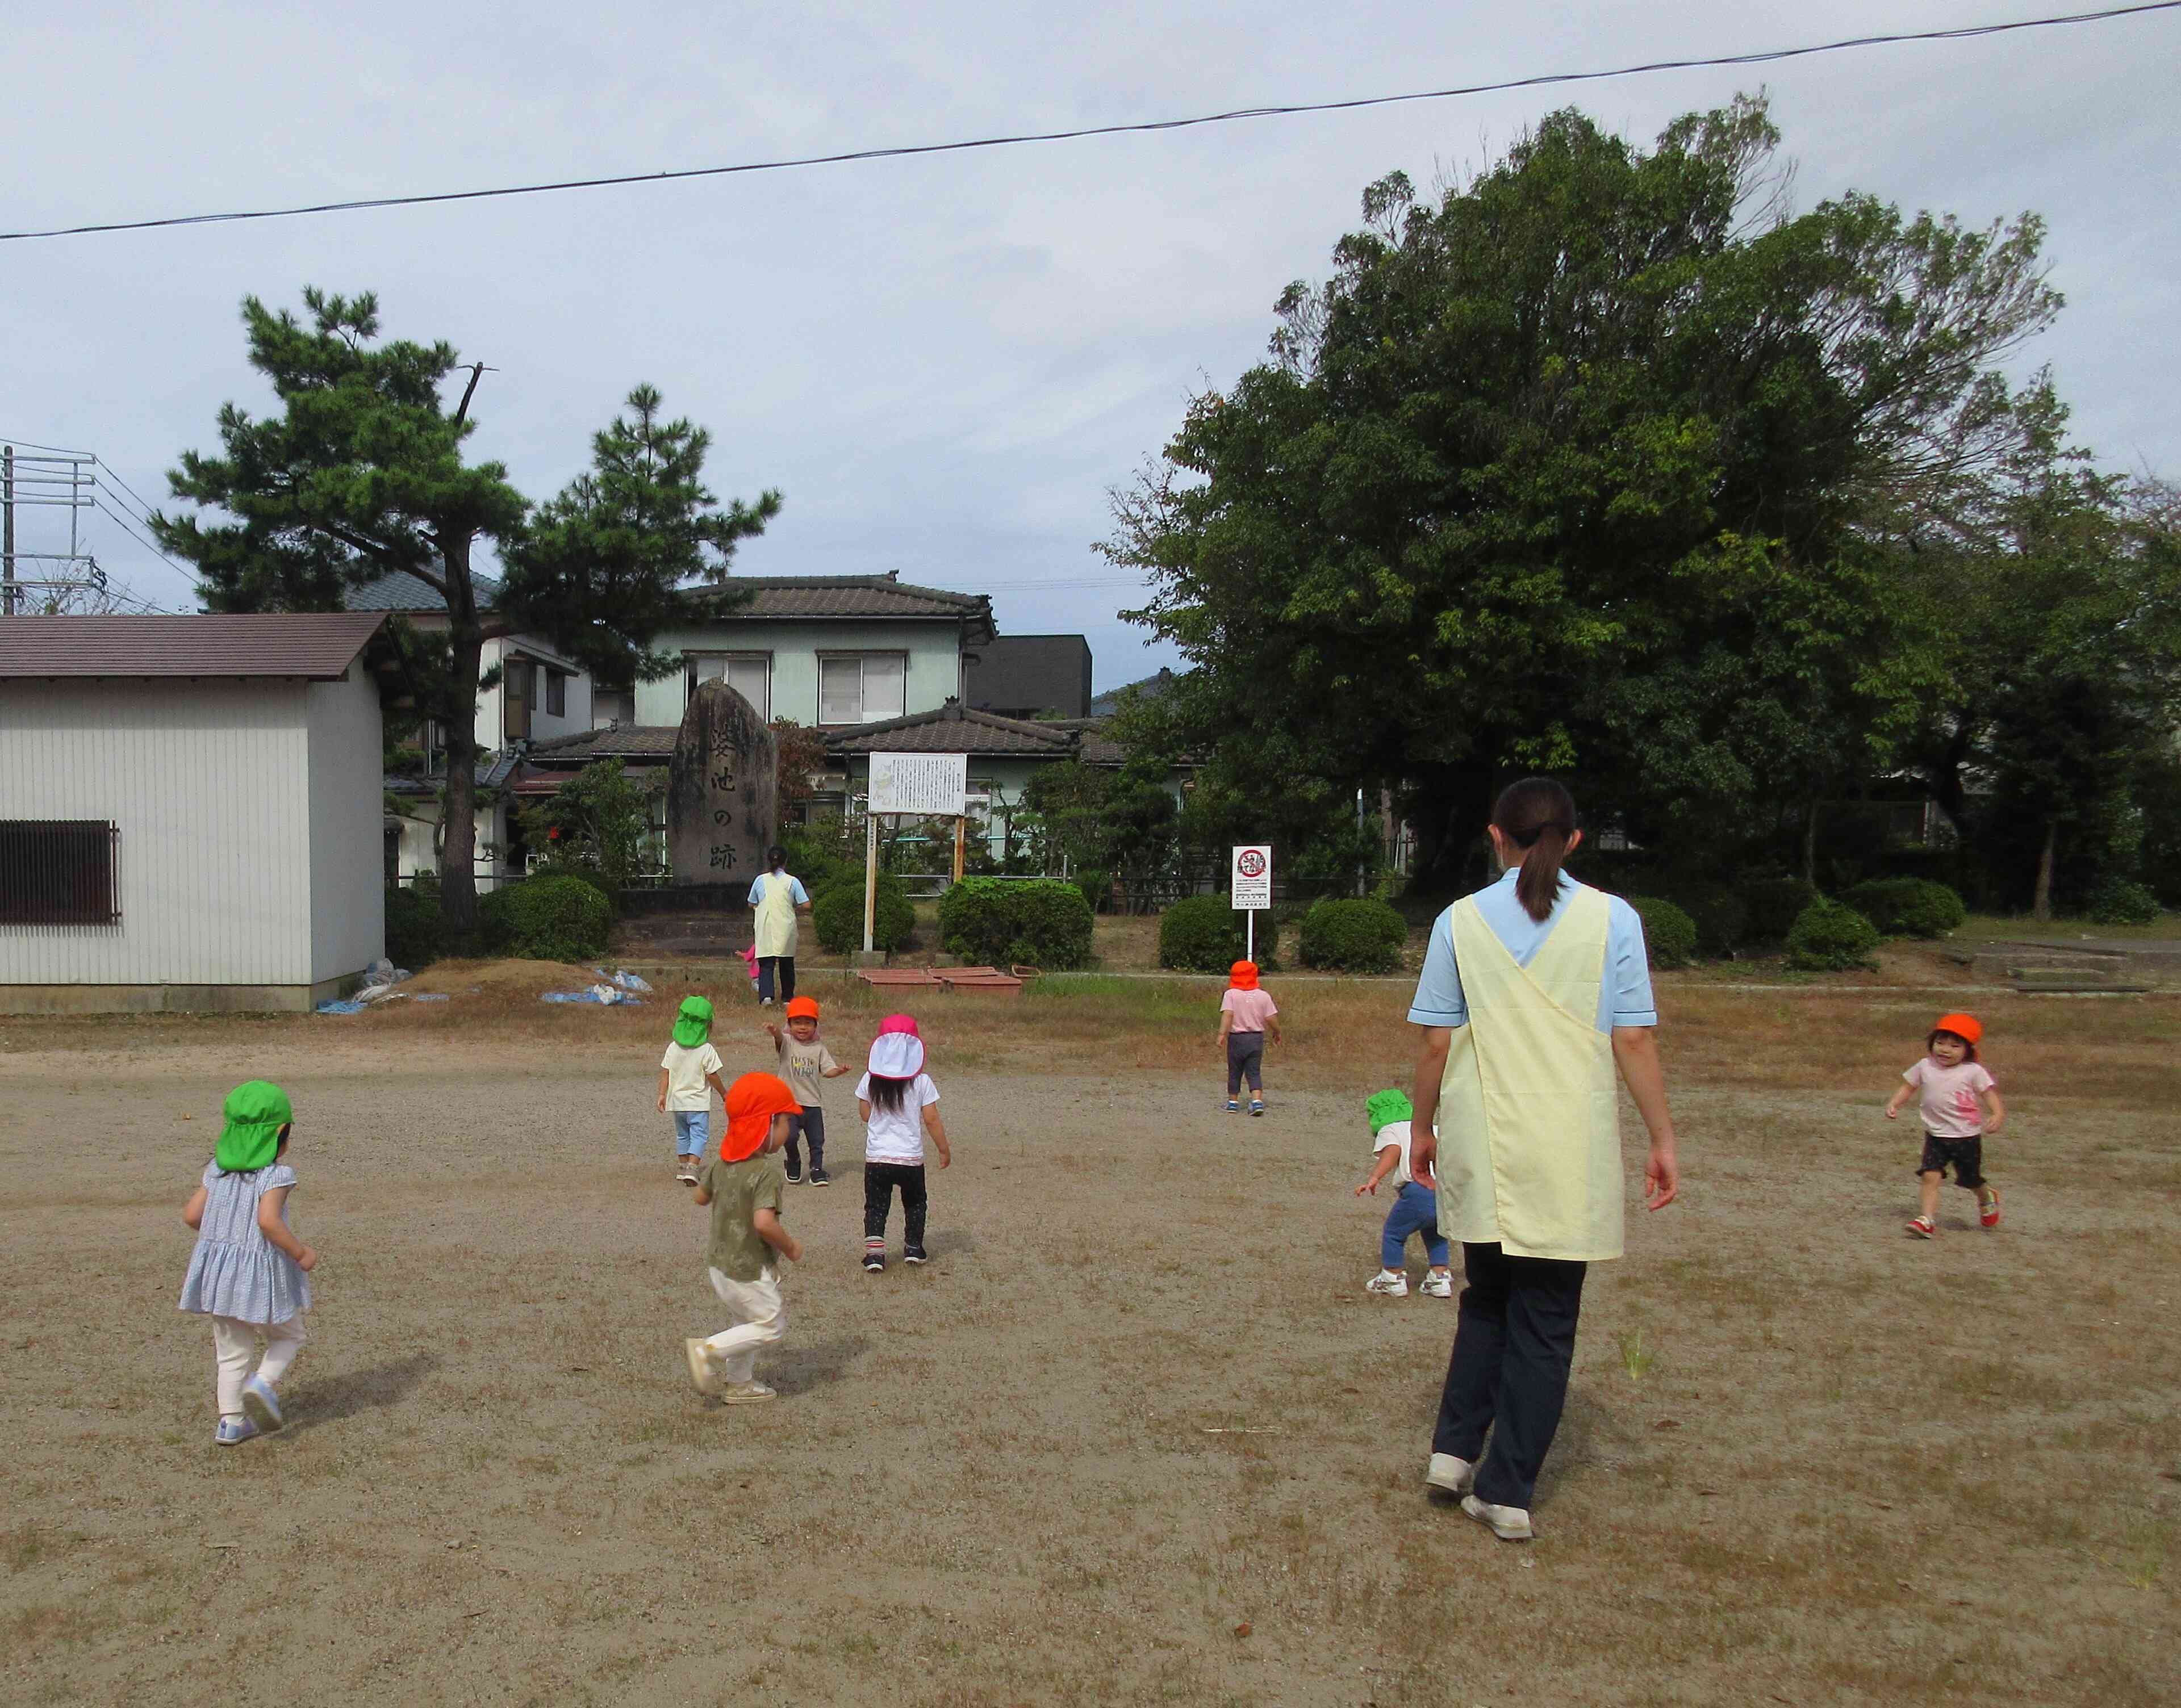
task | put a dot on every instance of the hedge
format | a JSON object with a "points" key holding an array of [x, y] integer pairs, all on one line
{"points": [[838, 914], [1720, 915], [1774, 905], [2117, 901], [416, 935], [1908, 907], [1831, 937], [1669, 933], [1205, 934], [1350, 936], [1045, 922], [547, 919]]}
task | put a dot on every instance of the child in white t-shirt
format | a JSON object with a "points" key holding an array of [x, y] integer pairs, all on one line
{"points": [[1950, 1081], [900, 1106], [688, 1075], [1415, 1205]]}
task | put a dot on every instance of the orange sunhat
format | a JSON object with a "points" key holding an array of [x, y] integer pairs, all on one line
{"points": [[1966, 1027], [752, 1101], [1243, 975], [802, 1008]]}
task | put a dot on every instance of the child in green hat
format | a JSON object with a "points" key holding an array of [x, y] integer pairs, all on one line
{"points": [[1414, 1208], [688, 1075], [248, 1272]]}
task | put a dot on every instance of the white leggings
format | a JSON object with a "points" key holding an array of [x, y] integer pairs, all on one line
{"points": [[235, 1342], [760, 1321]]}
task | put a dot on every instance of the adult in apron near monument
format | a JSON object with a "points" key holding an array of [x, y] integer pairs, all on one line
{"points": [[1532, 990], [776, 898]]}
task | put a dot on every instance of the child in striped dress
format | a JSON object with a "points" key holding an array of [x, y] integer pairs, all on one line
{"points": [[247, 1271]]}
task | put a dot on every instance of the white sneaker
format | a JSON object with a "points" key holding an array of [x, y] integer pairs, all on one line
{"points": [[1509, 1523], [1437, 1286], [702, 1370], [1456, 1476], [747, 1393], [1387, 1284]]}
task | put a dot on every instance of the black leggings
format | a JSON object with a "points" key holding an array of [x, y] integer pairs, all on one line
{"points": [[1246, 1055], [810, 1124], [880, 1180]]}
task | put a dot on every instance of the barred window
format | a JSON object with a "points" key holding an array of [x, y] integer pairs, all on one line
{"points": [[59, 872]]}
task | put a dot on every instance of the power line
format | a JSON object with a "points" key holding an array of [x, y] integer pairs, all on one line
{"points": [[1966, 32], [116, 517]]}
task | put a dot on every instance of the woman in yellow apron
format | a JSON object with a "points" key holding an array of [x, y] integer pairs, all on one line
{"points": [[776, 898], [1532, 990]]}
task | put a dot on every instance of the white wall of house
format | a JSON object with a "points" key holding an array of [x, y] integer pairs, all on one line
{"points": [[931, 652], [418, 852], [574, 716], [211, 785]]}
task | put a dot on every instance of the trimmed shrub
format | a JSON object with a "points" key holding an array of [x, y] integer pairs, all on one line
{"points": [[1204, 934], [1097, 887], [1720, 915], [1774, 905], [2117, 901], [1670, 935], [837, 912], [1908, 907], [1045, 922], [415, 935], [1831, 937], [547, 919], [1353, 937]]}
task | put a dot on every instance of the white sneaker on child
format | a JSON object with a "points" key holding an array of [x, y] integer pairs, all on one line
{"points": [[702, 1370], [1387, 1284], [747, 1393], [1439, 1285]]}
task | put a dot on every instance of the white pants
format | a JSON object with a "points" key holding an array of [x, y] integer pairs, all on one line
{"points": [[235, 1342], [760, 1321]]}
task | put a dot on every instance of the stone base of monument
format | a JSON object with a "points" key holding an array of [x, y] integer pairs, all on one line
{"points": [[867, 957]]}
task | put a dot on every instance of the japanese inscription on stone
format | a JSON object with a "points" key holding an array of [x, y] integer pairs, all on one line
{"points": [[720, 790]]}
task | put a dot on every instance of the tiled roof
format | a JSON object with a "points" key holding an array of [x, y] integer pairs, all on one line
{"points": [[1147, 687], [823, 597], [402, 592], [954, 729], [622, 741], [319, 647]]}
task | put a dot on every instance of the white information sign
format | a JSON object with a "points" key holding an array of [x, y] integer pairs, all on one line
{"points": [[1253, 877], [926, 785]]}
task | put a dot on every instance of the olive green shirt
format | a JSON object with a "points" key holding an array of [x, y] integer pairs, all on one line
{"points": [[739, 1190]]}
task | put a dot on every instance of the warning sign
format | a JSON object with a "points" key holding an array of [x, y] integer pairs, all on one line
{"points": [[1251, 884]]}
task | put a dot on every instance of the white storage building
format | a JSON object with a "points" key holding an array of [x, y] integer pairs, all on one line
{"points": [[190, 812]]}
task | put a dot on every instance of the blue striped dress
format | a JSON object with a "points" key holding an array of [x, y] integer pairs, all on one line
{"points": [[234, 1271]]}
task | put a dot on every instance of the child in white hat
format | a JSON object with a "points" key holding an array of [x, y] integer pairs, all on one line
{"points": [[900, 1105]]}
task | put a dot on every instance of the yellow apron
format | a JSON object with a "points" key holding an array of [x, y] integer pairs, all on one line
{"points": [[1529, 1115], [776, 916]]}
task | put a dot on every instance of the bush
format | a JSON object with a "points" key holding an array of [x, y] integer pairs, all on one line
{"points": [[1097, 887], [2117, 901], [1353, 937], [838, 914], [547, 919], [1908, 907], [1045, 922], [1774, 904], [415, 935], [1720, 915], [1669, 933], [1831, 937], [1204, 934]]}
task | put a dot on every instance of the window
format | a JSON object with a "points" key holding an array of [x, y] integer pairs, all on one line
{"points": [[748, 674], [862, 687], [435, 748], [556, 693], [518, 686], [59, 872]]}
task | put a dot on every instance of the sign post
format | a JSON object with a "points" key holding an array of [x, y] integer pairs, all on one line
{"points": [[924, 785], [1249, 886]]}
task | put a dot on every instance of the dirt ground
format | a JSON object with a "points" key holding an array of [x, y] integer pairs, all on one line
{"points": [[1137, 1434]]}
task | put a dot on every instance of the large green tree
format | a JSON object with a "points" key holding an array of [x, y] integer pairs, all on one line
{"points": [[1574, 468]]}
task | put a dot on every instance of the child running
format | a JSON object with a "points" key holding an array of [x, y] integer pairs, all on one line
{"points": [[804, 1064], [1951, 1080], [1247, 1013], [744, 1186], [688, 1075], [900, 1105], [247, 1271], [1415, 1205]]}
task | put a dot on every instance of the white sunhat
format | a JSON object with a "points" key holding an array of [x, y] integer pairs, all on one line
{"points": [[897, 1055]]}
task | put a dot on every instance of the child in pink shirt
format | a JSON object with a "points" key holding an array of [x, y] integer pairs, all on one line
{"points": [[1951, 1082], [1247, 1013]]}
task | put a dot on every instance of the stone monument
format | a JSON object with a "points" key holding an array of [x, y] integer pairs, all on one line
{"points": [[720, 790]]}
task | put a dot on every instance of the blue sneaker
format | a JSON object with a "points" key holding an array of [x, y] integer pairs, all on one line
{"points": [[233, 1431], [262, 1405]]}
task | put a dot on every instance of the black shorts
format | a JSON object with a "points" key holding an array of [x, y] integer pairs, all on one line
{"points": [[1965, 1155]]}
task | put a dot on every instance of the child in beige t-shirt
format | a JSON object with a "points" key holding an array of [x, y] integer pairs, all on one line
{"points": [[804, 1063], [688, 1075]]}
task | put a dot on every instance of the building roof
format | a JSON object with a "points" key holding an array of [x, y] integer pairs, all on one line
{"points": [[823, 598], [1148, 687], [621, 741], [403, 592], [317, 647], [954, 729], [1034, 673]]}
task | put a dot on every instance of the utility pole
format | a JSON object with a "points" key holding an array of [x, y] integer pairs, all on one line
{"points": [[7, 532]]}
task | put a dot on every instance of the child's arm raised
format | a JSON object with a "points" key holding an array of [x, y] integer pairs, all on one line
{"points": [[193, 1211], [937, 1129], [767, 1224], [276, 1231], [1387, 1157], [773, 1033], [662, 1091]]}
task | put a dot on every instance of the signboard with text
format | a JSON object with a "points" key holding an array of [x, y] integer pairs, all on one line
{"points": [[1251, 874], [923, 785]]}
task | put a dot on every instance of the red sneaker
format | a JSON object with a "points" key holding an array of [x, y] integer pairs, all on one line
{"points": [[1924, 1227], [1991, 1217]]}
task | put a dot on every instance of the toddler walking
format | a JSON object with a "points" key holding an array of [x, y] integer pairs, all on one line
{"points": [[247, 1272], [1951, 1081], [900, 1105], [1414, 1208], [1245, 1014], [688, 1075], [805, 1063], [744, 1185]]}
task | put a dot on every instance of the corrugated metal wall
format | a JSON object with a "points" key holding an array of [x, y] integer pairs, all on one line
{"points": [[348, 854], [207, 782]]}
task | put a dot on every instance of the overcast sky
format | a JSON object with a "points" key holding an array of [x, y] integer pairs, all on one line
{"points": [[944, 363]]}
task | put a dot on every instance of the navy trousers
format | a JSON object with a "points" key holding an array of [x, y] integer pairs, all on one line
{"points": [[1513, 1343]]}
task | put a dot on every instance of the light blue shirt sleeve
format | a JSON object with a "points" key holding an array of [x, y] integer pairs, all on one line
{"points": [[1624, 997], [1438, 1000], [757, 889], [796, 891], [1627, 1000]]}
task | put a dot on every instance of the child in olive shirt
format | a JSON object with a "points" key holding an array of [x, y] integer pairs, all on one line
{"points": [[744, 1185]]}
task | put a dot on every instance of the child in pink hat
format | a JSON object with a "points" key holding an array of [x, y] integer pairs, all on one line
{"points": [[900, 1107]]}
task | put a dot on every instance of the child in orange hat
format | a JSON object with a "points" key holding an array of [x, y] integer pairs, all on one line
{"points": [[1951, 1081], [743, 1184], [804, 1064], [1246, 1014]]}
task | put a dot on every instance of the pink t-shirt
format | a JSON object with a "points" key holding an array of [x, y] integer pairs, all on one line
{"points": [[1251, 1009], [1951, 1110]]}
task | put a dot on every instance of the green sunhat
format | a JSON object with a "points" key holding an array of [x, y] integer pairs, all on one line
{"points": [[694, 1024], [256, 1111], [1387, 1107]]}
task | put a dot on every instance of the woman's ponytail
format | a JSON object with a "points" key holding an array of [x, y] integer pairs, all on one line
{"points": [[1538, 815]]}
